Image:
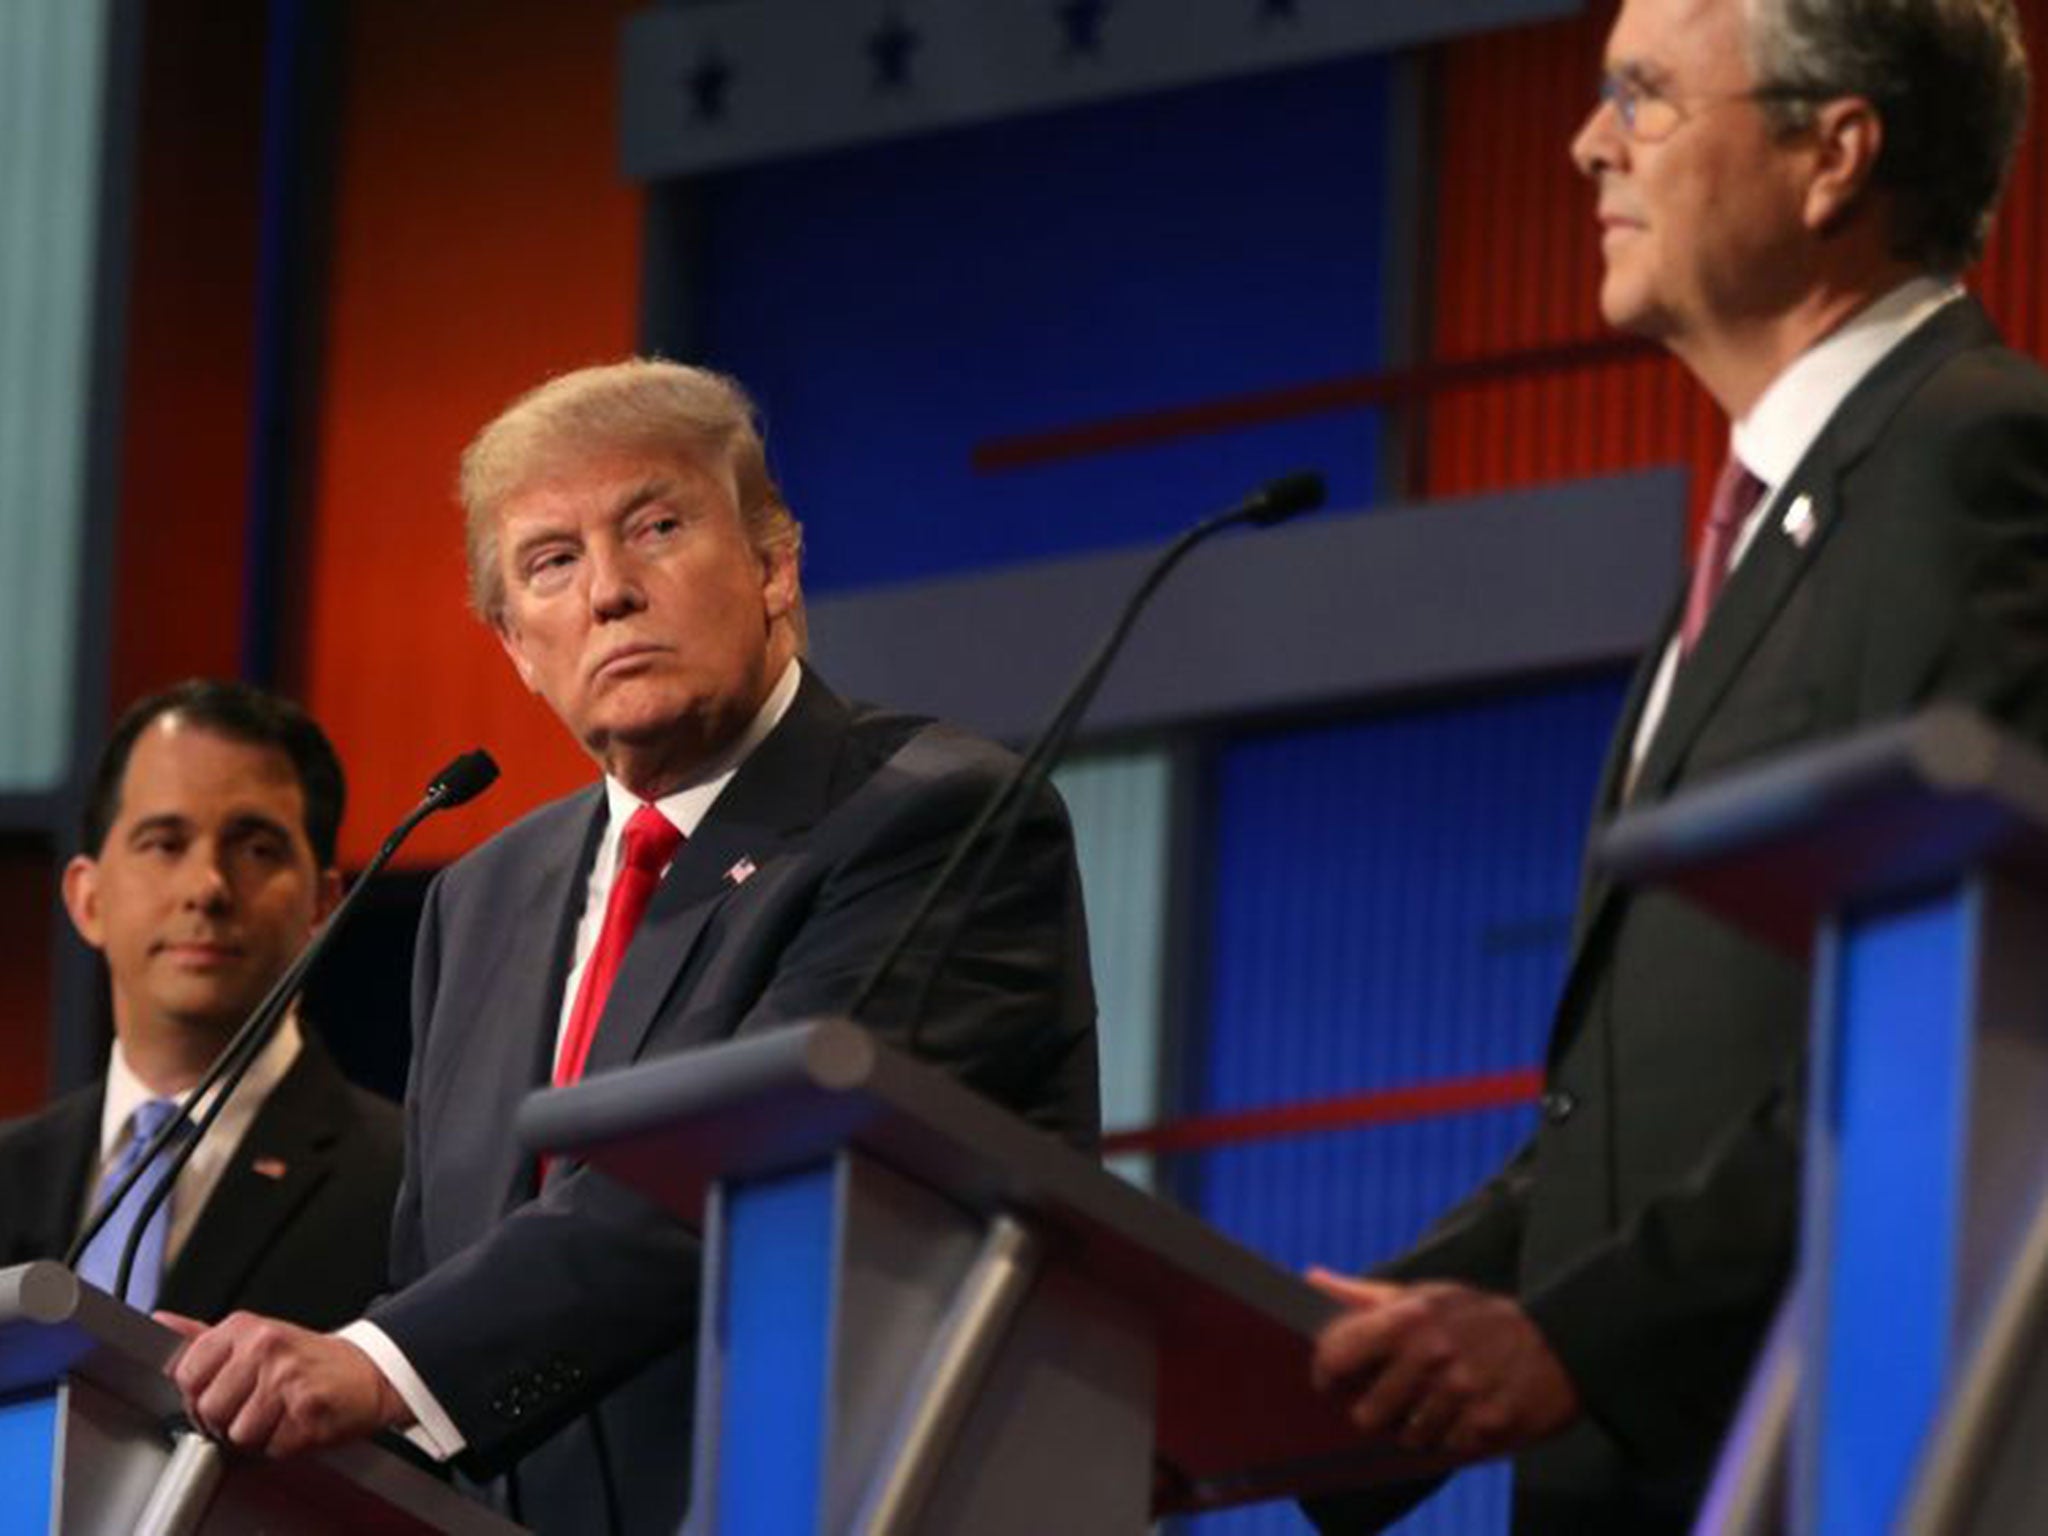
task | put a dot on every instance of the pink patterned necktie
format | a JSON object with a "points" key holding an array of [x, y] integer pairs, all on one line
{"points": [[650, 841], [1735, 496]]}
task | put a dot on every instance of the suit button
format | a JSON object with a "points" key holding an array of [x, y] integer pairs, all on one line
{"points": [[1558, 1106]]}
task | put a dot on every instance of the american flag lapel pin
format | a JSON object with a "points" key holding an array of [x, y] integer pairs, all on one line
{"points": [[1799, 521], [741, 872], [268, 1167]]}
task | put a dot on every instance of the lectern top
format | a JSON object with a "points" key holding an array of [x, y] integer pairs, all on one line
{"points": [[1236, 1413], [1772, 848]]}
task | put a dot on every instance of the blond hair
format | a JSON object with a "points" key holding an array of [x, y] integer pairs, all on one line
{"points": [[641, 404]]}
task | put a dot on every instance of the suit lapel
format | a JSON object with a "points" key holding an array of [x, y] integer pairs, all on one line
{"points": [[285, 1155], [510, 1045], [1614, 769], [782, 789], [1756, 589]]}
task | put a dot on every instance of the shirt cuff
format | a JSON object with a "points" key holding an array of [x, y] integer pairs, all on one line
{"points": [[431, 1429]]}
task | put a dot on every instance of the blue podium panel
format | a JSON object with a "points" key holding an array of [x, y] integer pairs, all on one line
{"points": [[1888, 1130], [28, 1430], [772, 1404]]}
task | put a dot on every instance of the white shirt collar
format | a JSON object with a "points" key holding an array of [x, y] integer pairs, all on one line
{"points": [[126, 1092], [687, 807], [1772, 439]]}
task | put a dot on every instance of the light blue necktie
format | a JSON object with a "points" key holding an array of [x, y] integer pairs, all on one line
{"points": [[101, 1260]]}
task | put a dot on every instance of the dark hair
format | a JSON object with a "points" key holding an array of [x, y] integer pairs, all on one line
{"points": [[1949, 80], [239, 712]]}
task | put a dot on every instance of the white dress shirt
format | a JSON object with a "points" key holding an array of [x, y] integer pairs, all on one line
{"points": [[1785, 421], [433, 1431]]}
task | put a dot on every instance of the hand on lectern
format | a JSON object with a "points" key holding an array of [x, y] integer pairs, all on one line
{"points": [[263, 1385], [1439, 1367]]}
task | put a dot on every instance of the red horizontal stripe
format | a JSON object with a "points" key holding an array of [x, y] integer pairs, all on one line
{"points": [[1383, 1106], [1264, 407]]}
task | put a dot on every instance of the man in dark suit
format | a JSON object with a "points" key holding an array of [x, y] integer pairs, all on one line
{"points": [[631, 553], [1786, 190], [208, 860]]}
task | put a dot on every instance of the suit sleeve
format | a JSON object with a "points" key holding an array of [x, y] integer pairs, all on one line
{"points": [[574, 1290]]}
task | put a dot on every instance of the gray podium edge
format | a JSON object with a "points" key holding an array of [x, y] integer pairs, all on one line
{"points": [[793, 1097], [54, 1327]]}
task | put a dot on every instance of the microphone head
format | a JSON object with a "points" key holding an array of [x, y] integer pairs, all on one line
{"points": [[1289, 496], [463, 780]]}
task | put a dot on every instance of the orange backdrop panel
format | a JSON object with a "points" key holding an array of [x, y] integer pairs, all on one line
{"points": [[1518, 267], [483, 239]]}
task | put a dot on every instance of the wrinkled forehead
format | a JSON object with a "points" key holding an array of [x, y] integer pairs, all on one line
{"points": [[613, 474]]}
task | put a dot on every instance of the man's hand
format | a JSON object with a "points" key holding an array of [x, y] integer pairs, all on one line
{"points": [[262, 1385], [1441, 1367]]}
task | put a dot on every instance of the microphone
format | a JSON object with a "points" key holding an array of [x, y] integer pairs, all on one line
{"points": [[460, 782], [1274, 502]]}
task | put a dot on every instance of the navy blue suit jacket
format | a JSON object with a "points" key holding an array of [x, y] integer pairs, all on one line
{"points": [[557, 1328]]}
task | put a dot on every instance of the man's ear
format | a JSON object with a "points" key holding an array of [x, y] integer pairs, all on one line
{"points": [[82, 899], [1848, 138], [778, 581], [508, 637]]}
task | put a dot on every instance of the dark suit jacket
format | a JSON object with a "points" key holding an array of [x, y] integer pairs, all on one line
{"points": [[308, 1245], [521, 1313], [1649, 1223]]}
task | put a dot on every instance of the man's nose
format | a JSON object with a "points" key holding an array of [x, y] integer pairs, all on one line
{"points": [[206, 884], [615, 589], [1598, 145]]}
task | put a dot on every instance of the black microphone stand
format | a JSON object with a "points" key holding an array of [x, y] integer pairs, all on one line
{"points": [[1272, 503]]}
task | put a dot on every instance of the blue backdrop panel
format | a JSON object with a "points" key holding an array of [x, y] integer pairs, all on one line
{"points": [[1893, 1122], [771, 1448], [1392, 906], [28, 1433], [894, 307]]}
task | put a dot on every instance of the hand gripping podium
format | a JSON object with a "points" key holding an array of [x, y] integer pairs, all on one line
{"points": [[922, 1315], [1905, 1386], [87, 1445]]}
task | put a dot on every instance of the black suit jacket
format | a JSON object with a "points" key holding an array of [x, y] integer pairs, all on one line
{"points": [[1649, 1224], [577, 1307], [303, 1239]]}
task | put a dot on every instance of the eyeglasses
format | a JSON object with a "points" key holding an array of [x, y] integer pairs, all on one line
{"points": [[1649, 116]]}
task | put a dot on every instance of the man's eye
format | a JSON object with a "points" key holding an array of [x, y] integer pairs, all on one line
{"points": [[547, 563]]}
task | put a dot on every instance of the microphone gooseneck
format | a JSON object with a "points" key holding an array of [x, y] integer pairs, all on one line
{"points": [[1274, 502], [461, 781]]}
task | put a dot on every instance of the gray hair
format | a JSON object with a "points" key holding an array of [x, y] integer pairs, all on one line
{"points": [[644, 404], [1948, 79]]}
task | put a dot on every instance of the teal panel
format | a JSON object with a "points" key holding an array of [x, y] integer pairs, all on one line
{"points": [[1121, 805], [52, 73]]}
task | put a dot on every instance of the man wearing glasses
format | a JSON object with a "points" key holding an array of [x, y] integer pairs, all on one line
{"points": [[1786, 192]]}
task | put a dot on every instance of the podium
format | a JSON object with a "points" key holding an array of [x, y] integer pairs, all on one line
{"points": [[1910, 864], [922, 1315], [87, 1444]]}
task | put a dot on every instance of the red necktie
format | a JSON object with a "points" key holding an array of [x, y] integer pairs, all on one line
{"points": [[1735, 497], [649, 843]]}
